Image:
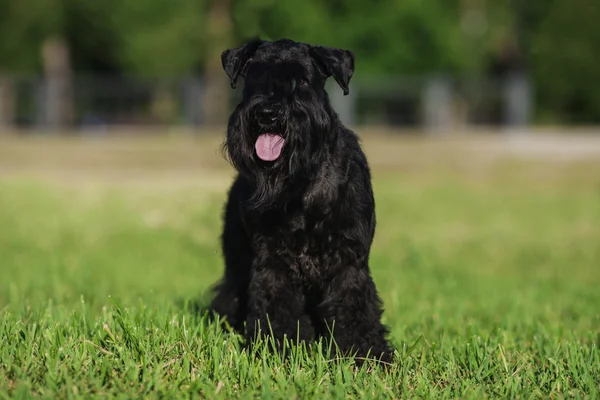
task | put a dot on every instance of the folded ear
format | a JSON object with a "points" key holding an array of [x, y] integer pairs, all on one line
{"points": [[235, 60], [335, 62]]}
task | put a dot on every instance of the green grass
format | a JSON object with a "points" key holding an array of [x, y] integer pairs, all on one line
{"points": [[491, 289]]}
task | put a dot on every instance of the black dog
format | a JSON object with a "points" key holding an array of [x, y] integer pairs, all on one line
{"points": [[300, 217]]}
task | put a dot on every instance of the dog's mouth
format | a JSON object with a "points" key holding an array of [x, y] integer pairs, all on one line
{"points": [[268, 146]]}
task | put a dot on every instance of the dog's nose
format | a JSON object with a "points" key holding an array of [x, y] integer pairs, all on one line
{"points": [[268, 113]]}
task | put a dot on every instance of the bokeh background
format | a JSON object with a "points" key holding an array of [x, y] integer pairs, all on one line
{"points": [[435, 65]]}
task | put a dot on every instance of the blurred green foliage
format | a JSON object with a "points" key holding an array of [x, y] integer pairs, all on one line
{"points": [[553, 39]]}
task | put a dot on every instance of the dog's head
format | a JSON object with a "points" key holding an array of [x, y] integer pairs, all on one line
{"points": [[284, 120]]}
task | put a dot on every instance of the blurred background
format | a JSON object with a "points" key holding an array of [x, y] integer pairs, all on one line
{"points": [[87, 66]]}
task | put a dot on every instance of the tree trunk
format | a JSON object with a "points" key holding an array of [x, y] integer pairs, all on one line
{"points": [[164, 107], [216, 85], [58, 90], [7, 103]]}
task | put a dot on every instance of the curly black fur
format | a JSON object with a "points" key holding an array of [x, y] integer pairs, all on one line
{"points": [[298, 230]]}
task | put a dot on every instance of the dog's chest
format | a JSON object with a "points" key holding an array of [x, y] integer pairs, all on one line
{"points": [[306, 246]]}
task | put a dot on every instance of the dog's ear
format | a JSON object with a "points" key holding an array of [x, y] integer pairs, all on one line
{"points": [[334, 62], [235, 60]]}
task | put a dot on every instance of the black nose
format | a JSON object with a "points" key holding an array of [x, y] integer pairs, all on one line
{"points": [[268, 113]]}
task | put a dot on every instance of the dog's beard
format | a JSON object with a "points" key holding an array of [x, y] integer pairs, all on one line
{"points": [[305, 132]]}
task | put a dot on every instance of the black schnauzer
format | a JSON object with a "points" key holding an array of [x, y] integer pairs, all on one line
{"points": [[300, 217]]}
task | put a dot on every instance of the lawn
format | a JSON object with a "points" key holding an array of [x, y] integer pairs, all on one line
{"points": [[489, 271]]}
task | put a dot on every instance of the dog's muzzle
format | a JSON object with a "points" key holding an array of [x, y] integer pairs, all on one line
{"points": [[268, 114], [269, 144]]}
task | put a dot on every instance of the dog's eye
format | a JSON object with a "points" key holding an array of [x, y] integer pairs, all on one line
{"points": [[303, 82]]}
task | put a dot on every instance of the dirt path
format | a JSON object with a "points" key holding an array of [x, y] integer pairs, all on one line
{"points": [[186, 160]]}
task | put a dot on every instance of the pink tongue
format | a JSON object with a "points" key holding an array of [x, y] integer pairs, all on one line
{"points": [[268, 146]]}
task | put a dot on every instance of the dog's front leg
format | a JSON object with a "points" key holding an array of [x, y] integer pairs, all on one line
{"points": [[276, 306], [352, 310]]}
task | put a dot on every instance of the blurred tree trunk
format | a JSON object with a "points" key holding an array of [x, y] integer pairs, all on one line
{"points": [[7, 102], [164, 105], [216, 85], [58, 90]]}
